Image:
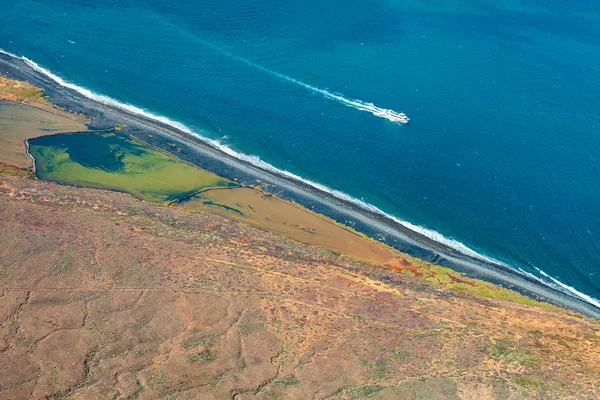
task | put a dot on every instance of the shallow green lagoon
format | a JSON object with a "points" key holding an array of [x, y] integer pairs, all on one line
{"points": [[111, 160]]}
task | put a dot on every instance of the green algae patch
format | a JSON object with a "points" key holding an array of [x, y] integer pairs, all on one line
{"points": [[111, 160]]}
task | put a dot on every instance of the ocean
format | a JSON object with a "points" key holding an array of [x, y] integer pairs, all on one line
{"points": [[502, 153]]}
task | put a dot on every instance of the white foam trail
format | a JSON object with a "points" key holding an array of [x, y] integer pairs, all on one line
{"points": [[352, 103], [256, 161]]}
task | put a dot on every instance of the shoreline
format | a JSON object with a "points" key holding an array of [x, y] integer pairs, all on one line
{"points": [[30, 156], [160, 133]]}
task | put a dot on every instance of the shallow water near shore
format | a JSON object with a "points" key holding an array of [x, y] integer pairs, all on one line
{"points": [[501, 153]]}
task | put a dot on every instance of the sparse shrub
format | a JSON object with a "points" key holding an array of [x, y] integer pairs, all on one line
{"points": [[287, 381], [427, 389], [194, 341], [380, 367], [205, 355], [363, 392], [505, 351], [501, 391], [401, 354], [157, 378], [527, 382], [245, 328]]}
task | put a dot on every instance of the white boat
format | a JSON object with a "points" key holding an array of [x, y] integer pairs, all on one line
{"points": [[394, 116]]}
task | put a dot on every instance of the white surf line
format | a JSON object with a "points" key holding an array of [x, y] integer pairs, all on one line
{"points": [[561, 287], [6, 53], [570, 289], [256, 161], [29, 154], [352, 103]]}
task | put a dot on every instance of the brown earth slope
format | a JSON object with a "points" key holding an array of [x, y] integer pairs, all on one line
{"points": [[104, 296]]}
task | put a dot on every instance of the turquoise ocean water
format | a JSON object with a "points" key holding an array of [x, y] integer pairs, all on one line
{"points": [[503, 150]]}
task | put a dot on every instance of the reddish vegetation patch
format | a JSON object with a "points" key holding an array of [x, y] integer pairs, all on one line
{"points": [[458, 280], [399, 264]]}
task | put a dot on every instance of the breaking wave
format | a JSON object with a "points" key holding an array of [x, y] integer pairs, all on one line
{"points": [[256, 161], [570, 289]]}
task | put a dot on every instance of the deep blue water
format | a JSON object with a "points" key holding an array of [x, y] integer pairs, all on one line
{"points": [[503, 150]]}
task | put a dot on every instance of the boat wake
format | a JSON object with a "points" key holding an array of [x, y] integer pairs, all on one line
{"points": [[257, 162], [360, 105]]}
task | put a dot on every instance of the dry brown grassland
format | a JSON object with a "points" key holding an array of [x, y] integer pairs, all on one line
{"points": [[105, 296]]}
